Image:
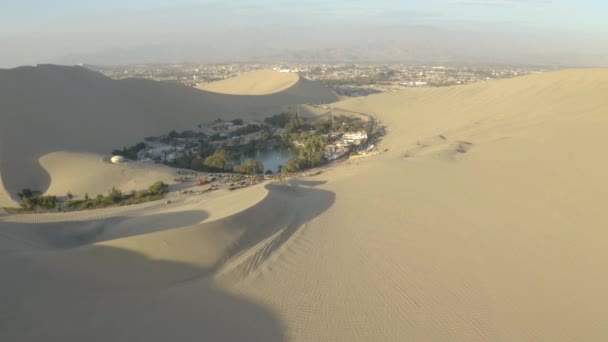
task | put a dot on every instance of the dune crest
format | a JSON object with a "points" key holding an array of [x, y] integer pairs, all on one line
{"points": [[260, 82], [481, 218], [60, 108]]}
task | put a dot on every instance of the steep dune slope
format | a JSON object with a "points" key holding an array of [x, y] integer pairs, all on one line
{"points": [[492, 231], [52, 108]]}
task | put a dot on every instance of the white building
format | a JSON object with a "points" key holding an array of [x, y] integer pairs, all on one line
{"points": [[118, 160]]}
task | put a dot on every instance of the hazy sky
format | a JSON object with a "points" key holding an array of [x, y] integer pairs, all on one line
{"points": [[121, 31]]}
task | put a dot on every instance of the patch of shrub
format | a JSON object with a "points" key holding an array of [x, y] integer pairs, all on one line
{"points": [[157, 188]]}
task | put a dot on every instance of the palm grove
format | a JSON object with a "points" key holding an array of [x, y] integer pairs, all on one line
{"points": [[307, 137]]}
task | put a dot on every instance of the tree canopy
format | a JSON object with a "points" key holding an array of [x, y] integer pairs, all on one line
{"points": [[157, 188], [30, 199], [294, 164], [313, 151], [251, 167], [279, 120], [219, 160]]}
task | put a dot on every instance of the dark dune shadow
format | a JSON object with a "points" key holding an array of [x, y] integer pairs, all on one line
{"points": [[15, 179], [300, 182], [64, 235], [101, 293]]}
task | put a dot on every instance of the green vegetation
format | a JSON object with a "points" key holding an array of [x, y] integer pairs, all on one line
{"points": [[279, 120], [294, 164], [216, 152], [116, 197], [141, 197], [131, 152], [250, 167], [10, 210], [341, 124], [294, 125], [31, 200], [218, 161], [188, 134], [345, 123], [205, 149], [183, 162], [322, 126], [265, 136], [157, 188], [313, 152]]}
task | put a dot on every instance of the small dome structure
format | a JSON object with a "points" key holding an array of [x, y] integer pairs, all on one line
{"points": [[118, 160]]}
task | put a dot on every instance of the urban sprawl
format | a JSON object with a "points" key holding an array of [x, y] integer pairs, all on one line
{"points": [[344, 79]]}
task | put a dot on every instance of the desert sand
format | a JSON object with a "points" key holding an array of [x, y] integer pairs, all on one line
{"points": [[52, 108], [260, 82], [482, 219], [80, 173]]}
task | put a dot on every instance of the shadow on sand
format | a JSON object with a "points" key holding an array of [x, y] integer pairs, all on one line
{"points": [[72, 234], [104, 293], [273, 221]]}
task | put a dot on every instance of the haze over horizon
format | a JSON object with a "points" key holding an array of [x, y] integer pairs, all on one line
{"points": [[538, 32], [370, 171]]}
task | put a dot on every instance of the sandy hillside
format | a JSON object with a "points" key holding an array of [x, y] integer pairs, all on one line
{"points": [[269, 84], [50, 108], [484, 220], [82, 173], [260, 82], [5, 198]]}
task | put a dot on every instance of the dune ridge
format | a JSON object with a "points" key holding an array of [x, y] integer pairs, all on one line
{"points": [[259, 82], [481, 219], [72, 109]]}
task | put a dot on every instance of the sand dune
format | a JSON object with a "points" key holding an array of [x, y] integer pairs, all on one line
{"points": [[5, 198], [88, 173], [52, 108], [178, 263], [483, 221], [82, 173], [260, 82]]}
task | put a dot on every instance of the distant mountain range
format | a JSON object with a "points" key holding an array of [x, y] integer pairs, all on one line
{"points": [[415, 45]]}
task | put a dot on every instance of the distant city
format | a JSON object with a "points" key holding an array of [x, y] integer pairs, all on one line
{"points": [[344, 79]]}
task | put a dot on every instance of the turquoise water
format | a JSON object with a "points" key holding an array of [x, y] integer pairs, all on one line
{"points": [[271, 157]]}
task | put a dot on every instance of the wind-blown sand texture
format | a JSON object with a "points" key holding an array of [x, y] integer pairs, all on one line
{"points": [[483, 221], [260, 82], [51, 108]]}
